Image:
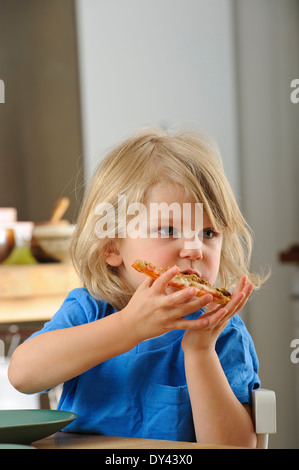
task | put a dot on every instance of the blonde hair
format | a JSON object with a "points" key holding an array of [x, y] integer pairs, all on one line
{"points": [[151, 156]]}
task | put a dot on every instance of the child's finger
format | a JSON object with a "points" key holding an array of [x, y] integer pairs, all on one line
{"points": [[161, 283], [241, 284], [246, 292], [217, 317], [197, 324], [188, 295], [146, 283], [180, 296], [236, 305], [221, 313]]}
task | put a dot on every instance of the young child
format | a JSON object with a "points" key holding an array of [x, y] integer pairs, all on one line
{"points": [[137, 357]]}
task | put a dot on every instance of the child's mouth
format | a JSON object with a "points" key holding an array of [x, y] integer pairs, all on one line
{"points": [[191, 271]]}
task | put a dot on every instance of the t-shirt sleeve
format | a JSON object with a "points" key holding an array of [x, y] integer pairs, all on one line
{"points": [[238, 358], [77, 309]]}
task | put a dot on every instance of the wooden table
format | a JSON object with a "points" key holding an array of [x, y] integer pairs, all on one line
{"points": [[64, 440]]}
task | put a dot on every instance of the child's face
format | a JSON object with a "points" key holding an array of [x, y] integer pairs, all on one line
{"points": [[162, 248]]}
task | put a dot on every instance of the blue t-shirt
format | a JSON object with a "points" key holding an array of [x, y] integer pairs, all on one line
{"points": [[143, 392]]}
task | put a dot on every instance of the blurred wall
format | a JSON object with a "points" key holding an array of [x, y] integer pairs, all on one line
{"points": [[267, 39], [40, 123], [167, 63]]}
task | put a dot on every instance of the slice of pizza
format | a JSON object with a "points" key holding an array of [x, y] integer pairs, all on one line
{"points": [[181, 281]]}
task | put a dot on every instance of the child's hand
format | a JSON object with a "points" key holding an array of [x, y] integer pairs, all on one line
{"points": [[152, 311], [215, 319]]}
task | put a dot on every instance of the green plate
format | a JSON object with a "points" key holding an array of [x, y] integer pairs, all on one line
{"points": [[15, 446], [27, 426]]}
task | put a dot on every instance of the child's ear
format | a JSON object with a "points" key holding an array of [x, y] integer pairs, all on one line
{"points": [[112, 254]]}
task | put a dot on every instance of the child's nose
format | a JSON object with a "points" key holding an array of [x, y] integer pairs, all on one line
{"points": [[192, 250]]}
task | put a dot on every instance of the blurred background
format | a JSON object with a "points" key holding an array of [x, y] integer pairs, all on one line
{"points": [[81, 75]]}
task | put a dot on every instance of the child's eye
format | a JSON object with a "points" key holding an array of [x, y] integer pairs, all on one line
{"points": [[209, 233], [168, 232]]}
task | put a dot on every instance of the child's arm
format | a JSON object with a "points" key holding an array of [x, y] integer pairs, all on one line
{"points": [[219, 417], [57, 356]]}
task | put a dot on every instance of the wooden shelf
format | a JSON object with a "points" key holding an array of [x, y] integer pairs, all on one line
{"points": [[34, 292]]}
